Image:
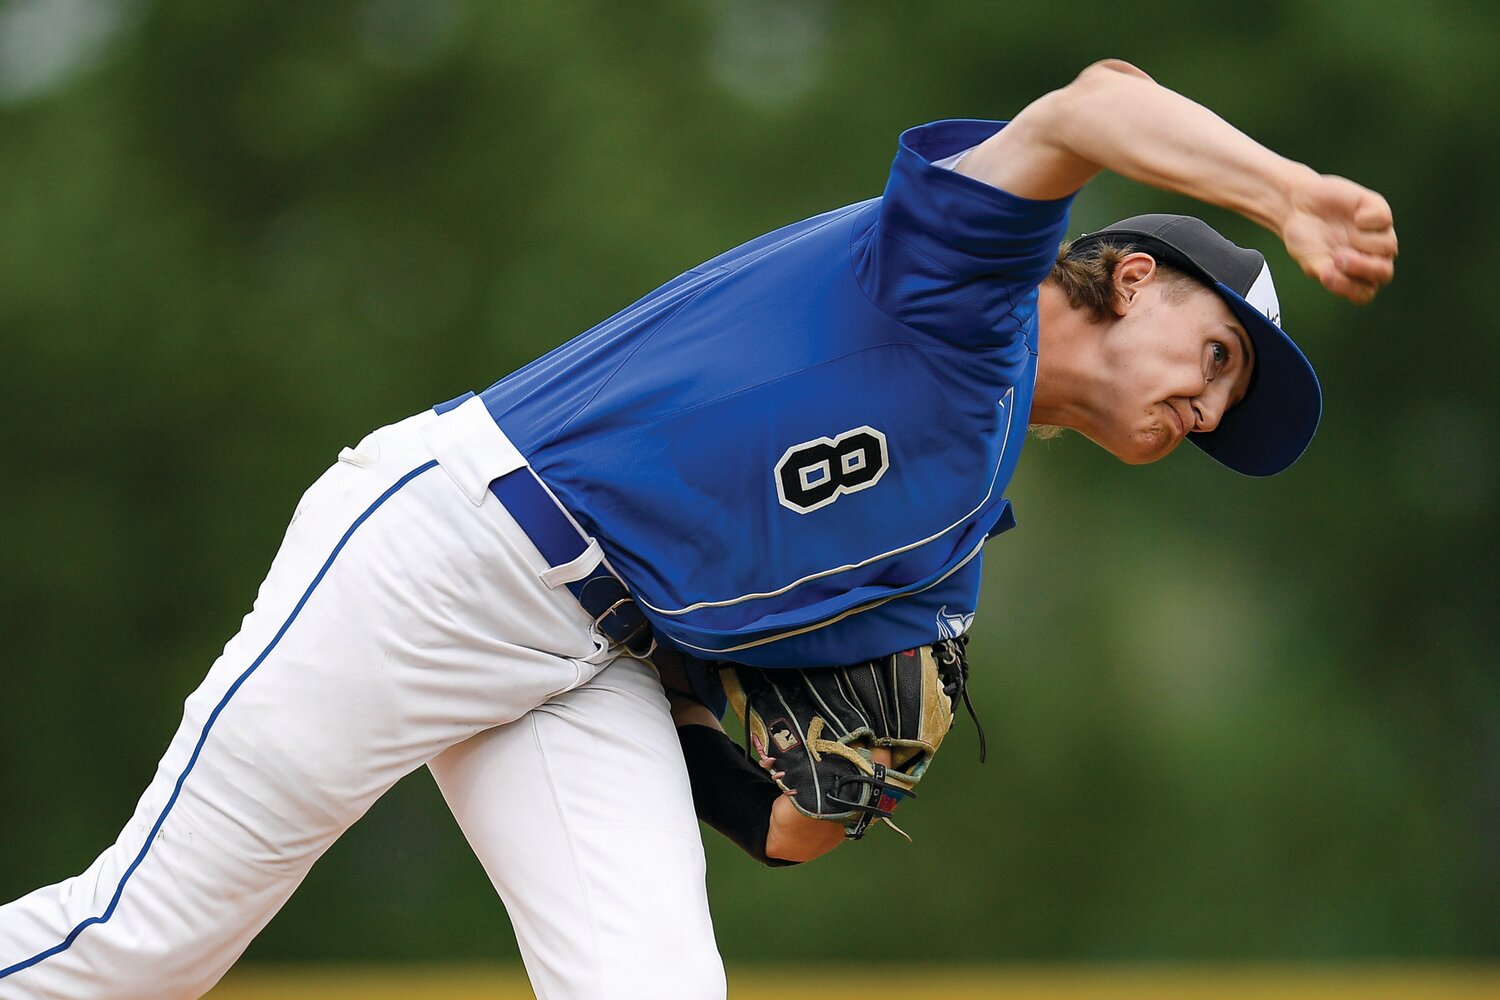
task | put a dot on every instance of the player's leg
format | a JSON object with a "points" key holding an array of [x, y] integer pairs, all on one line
{"points": [[376, 641], [203, 862], [582, 816]]}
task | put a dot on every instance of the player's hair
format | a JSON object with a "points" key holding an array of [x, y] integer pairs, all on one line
{"points": [[1087, 278]]}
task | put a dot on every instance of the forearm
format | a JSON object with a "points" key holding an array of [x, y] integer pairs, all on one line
{"points": [[736, 797], [740, 801], [1114, 117], [730, 794]]}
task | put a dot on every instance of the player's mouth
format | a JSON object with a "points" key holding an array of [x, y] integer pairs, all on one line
{"points": [[1182, 426]]}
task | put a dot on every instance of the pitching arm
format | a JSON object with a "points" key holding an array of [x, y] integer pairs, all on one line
{"points": [[1115, 117]]}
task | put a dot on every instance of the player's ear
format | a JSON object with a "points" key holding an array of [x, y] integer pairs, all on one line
{"points": [[1133, 273]]}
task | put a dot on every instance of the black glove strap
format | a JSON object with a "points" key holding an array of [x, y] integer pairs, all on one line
{"points": [[883, 800], [730, 793]]}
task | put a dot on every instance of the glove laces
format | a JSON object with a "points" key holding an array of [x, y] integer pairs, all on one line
{"points": [[953, 665]]}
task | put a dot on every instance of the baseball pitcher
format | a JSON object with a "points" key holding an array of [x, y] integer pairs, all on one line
{"points": [[769, 483]]}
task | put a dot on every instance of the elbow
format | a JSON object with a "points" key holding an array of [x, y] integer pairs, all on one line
{"points": [[1100, 81], [1108, 71], [1097, 80], [1058, 113]]}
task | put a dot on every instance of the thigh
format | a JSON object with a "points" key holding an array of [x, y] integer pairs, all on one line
{"points": [[262, 774], [582, 816], [397, 619]]}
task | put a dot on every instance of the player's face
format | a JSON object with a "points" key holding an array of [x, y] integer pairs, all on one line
{"points": [[1176, 364]]}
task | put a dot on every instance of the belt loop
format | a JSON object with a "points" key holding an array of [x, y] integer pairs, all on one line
{"points": [[567, 549], [575, 569]]}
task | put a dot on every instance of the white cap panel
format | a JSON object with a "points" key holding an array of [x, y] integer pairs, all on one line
{"points": [[1262, 295]]}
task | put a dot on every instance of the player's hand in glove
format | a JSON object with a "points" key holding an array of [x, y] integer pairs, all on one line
{"points": [[792, 836], [795, 837], [822, 728]]}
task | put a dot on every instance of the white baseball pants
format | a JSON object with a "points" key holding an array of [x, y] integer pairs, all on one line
{"points": [[404, 622]]}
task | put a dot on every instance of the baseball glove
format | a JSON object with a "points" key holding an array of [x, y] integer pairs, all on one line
{"points": [[822, 724]]}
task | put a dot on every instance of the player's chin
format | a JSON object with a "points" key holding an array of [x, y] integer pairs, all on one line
{"points": [[1139, 445], [1150, 444]]}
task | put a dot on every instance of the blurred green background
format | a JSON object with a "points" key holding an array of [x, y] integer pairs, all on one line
{"points": [[1228, 719]]}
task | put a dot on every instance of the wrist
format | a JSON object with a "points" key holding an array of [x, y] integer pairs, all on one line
{"points": [[793, 836], [1287, 185]]}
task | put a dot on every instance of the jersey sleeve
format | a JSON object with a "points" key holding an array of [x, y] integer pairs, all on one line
{"points": [[947, 254]]}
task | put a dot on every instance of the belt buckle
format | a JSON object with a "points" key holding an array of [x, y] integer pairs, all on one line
{"points": [[614, 612]]}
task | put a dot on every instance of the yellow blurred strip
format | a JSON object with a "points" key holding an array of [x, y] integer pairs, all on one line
{"points": [[898, 982], [363, 982]]}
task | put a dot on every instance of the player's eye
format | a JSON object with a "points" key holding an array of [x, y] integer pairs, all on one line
{"points": [[1217, 361]]}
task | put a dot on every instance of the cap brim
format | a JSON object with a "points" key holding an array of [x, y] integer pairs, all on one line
{"points": [[1272, 426]]}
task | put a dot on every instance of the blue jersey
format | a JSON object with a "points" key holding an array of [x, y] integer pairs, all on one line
{"points": [[794, 453]]}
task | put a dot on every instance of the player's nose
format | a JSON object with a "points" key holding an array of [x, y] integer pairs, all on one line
{"points": [[1207, 411]]}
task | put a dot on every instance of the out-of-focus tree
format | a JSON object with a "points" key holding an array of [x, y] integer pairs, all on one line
{"points": [[1227, 718]]}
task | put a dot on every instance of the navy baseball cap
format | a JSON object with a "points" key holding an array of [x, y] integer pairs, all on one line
{"points": [[1272, 426]]}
